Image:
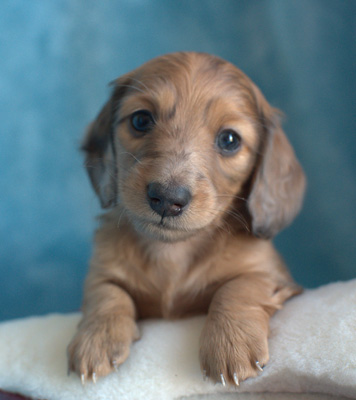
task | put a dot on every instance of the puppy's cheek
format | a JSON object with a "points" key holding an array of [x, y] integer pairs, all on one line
{"points": [[203, 210], [133, 193]]}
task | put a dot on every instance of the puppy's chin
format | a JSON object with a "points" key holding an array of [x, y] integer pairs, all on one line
{"points": [[161, 232]]}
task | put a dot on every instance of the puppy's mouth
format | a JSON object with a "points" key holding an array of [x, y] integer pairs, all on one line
{"points": [[163, 229]]}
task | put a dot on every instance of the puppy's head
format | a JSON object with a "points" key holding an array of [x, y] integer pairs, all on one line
{"points": [[187, 142]]}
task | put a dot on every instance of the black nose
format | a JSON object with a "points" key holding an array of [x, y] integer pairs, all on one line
{"points": [[168, 201]]}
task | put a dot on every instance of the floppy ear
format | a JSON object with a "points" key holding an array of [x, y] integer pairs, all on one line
{"points": [[279, 183], [98, 144]]}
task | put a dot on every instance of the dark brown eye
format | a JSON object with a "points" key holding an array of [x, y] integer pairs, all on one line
{"points": [[142, 121], [228, 141]]}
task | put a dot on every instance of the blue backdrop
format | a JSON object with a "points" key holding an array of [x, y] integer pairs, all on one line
{"points": [[56, 58]]}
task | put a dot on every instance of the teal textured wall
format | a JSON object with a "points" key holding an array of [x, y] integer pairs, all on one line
{"points": [[56, 58]]}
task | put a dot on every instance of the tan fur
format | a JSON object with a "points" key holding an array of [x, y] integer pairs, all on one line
{"points": [[215, 257]]}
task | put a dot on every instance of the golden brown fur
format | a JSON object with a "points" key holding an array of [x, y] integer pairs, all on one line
{"points": [[215, 256]]}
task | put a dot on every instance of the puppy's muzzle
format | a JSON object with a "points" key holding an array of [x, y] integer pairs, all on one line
{"points": [[168, 201]]}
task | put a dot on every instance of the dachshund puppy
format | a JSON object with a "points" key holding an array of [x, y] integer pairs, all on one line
{"points": [[197, 175]]}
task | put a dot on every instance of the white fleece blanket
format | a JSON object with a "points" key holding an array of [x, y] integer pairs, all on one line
{"points": [[312, 350]]}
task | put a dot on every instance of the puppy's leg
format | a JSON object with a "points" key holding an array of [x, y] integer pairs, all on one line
{"points": [[233, 344], [105, 333]]}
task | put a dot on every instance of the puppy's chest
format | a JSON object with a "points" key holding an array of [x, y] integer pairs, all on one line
{"points": [[170, 286]]}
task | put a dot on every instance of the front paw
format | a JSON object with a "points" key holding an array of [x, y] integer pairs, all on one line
{"points": [[232, 352], [100, 345]]}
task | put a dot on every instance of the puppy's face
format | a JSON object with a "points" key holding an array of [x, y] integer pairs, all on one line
{"points": [[177, 143]]}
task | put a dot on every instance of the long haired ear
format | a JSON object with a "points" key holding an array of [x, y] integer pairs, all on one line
{"points": [[279, 183], [98, 144]]}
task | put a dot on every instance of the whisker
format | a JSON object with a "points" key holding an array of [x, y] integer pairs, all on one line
{"points": [[120, 217], [140, 83], [126, 152], [231, 196], [239, 217], [131, 87], [224, 227], [110, 162], [234, 214]]}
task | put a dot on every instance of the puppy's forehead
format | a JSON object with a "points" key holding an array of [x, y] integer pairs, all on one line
{"points": [[187, 81]]}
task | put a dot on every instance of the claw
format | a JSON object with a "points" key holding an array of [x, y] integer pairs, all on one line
{"points": [[222, 379], [82, 378], [114, 364], [94, 378], [204, 375], [258, 365], [236, 379]]}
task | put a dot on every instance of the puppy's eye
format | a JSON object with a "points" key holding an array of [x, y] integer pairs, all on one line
{"points": [[228, 141], [142, 121]]}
